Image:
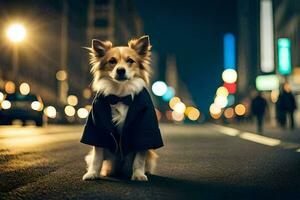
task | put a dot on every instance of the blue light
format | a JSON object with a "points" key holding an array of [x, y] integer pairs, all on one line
{"points": [[169, 94], [229, 51], [230, 99]]}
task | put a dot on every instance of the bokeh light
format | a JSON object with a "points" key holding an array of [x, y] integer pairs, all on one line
{"points": [[222, 91], [82, 113], [169, 94], [231, 87], [36, 105], [10, 87], [16, 33], [216, 116], [70, 111], [180, 107], [221, 101], [88, 107], [230, 100], [24, 88], [214, 109], [240, 109], [173, 102], [1, 97], [6, 104], [61, 75], [50, 111], [72, 100], [87, 93], [177, 116], [228, 113], [193, 114], [159, 88], [229, 76]]}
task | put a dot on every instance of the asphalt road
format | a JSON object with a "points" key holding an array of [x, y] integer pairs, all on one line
{"points": [[197, 162]]}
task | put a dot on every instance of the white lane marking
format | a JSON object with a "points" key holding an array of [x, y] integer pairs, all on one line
{"points": [[256, 138], [260, 139], [227, 130]]}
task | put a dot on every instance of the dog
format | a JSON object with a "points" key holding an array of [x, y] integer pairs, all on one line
{"points": [[121, 75]]}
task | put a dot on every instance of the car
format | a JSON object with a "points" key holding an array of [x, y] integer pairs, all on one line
{"points": [[22, 107]]}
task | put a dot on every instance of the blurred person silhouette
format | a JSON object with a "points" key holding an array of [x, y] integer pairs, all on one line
{"points": [[258, 109], [280, 114], [286, 106]]}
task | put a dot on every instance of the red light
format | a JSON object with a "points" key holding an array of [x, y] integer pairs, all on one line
{"points": [[231, 87]]}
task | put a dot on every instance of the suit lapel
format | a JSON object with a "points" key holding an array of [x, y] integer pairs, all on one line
{"points": [[135, 108], [105, 114]]}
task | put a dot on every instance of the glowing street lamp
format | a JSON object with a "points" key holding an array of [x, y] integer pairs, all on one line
{"points": [[16, 33]]}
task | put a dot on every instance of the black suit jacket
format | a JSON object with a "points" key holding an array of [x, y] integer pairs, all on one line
{"points": [[140, 131]]}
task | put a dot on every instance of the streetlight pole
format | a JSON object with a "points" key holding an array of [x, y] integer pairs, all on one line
{"points": [[15, 63], [62, 75]]}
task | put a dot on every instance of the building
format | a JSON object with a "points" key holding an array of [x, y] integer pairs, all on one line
{"points": [[247, 45], [287, 25], [55, 39]]}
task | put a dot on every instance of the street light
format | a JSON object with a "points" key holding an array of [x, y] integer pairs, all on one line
{"points": [[16, 33]]}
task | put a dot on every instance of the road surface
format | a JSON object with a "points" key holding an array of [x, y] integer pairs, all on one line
{"points": [[197, 162]]}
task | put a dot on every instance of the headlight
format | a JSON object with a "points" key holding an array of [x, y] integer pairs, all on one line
{"points": [[36, 105], [6, 104]]}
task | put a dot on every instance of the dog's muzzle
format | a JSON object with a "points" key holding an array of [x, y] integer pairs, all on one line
{"points": [[121, 74]]}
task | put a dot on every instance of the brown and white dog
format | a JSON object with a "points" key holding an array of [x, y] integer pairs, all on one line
{"points": [[120, 71]]}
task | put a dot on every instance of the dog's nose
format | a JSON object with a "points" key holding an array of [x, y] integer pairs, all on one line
{"points": [[121, 71]]}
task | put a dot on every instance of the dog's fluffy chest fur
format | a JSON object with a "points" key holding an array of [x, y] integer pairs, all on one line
{"points": [[119, 112]]}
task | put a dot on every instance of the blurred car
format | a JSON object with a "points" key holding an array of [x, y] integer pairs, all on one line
{"points": [[22, 107]]}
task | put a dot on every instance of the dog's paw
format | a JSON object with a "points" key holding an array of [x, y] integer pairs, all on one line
{"points": [[90, 176], [139, 177]]}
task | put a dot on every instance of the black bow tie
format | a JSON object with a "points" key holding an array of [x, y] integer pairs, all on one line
{"points": [[113, 99]]}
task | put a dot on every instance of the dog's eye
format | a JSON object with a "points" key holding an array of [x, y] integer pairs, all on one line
{"points": [[112, 61], [129, 60]]}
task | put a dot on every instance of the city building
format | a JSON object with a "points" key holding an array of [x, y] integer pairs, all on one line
{"points": [[54, 42], [247, 45], [287, 25]]}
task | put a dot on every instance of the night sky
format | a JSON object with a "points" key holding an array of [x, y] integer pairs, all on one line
{"points": [[193, 31]]}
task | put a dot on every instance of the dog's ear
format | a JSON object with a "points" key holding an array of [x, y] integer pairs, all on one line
{"points": [[101, 47], [141, 45]]}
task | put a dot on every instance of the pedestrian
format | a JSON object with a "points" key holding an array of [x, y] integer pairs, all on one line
{"points": [[258, 109], [280, 113], [287, 106]]}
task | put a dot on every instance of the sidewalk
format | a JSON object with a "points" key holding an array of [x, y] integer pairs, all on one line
{"points": [[286, 135]]}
